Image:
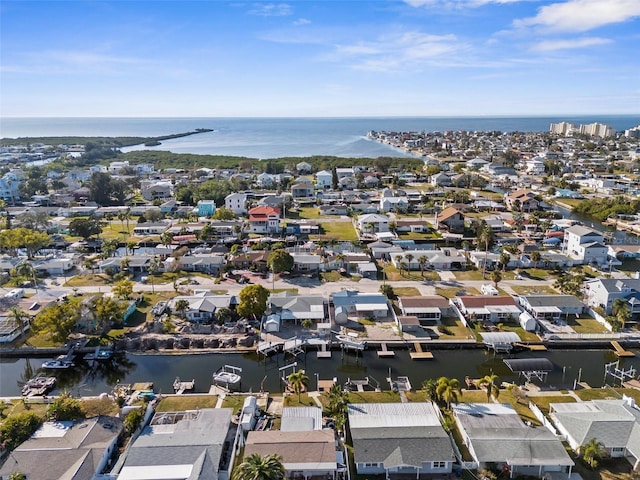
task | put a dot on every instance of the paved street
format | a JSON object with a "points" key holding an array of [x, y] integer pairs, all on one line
{"points": [[305, 285]]}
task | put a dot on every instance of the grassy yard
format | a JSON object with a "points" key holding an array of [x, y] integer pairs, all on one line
{"points": [[374, 397], [392, 274], [524, 335], [89, 280], [470, 275], [234, 401], [341, 231], [450, 292], [100, 406], [587, 394], [291, 400], [187, 402], [586, 325], [456, 327], [309, 213], [406, 291], [543, 402], [533, 290]]}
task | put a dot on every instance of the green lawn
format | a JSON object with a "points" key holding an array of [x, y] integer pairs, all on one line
{"points": [[309, 213], [233, 401], [456, 327], [586, 325], [187, 402], [336, 231], [406, 291], [533, 290], [392, 274], [543, 402], [450, 292], [470, 275], [89, 280]]}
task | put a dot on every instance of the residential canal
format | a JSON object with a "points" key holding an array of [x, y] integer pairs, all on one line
{"points": [[265, 373]]}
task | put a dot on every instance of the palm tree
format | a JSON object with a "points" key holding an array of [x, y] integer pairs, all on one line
{"points": [[505, 258], [429, 388], [496, 277], [20, 319], [25, 269], [489, 382], [484, 237], [182, 306], [592, 451], [535, 258], [338, 402], [448, 390], [260, 467], [409, 258], [422, 261], [623, 315], [298, 381], [153, 268]]}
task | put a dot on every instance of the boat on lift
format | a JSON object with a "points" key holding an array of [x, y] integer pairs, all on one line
{"points": [[228, 377]]}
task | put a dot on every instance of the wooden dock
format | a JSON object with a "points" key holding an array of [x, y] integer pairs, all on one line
{"points": [[536, 347], [621, 352], [419, 354], [180, 387], [385, 352]]}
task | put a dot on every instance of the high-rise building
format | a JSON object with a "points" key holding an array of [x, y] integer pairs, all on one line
{"points": [[633, 132], [597, 130], [562, 128]]}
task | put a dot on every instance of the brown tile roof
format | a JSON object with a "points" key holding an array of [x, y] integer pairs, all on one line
{"points": [[426, 301], [317, 446], [477, 301], [447, 213]]}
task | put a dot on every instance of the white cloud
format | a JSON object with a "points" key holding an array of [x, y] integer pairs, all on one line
{"points": [[395, 52], [271, 9], [551, 45], [301, 21], [582, 15], [75, 61], [459, 4]]}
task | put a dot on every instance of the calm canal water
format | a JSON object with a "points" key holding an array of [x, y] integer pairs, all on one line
{"points": [[162, 369]]}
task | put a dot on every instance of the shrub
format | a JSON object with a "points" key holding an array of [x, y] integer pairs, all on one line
{"points": [[18, 428]]}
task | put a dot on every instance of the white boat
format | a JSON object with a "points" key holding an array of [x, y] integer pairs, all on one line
{"points": [[228, 377], [99, 354], [59, 363], [351, 342]]}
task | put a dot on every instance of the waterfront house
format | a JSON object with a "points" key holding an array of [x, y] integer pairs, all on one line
{"points": [[603, 292], [585, 245], [192, 445], [429, 308], [399, 439], [67, 450], [202, 306], [487, 308], [613, 423], [365, 305], [521, 201], [305, 453], [293, 307], [552, 308], [495, 434]]}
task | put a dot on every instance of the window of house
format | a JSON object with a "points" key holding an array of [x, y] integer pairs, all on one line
{"points": [[438, 464]]}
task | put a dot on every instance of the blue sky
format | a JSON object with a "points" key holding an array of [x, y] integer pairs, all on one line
{"points": [[319, 58]]}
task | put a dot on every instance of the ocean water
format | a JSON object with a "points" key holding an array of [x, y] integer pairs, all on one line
{"points": [[281, 137]]}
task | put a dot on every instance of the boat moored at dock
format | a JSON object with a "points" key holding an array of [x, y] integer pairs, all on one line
{"points": [[228, 377]]}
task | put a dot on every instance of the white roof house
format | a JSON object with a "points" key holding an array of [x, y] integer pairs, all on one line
{"points": [[494, 433], [403, 438], [180, 445]]}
